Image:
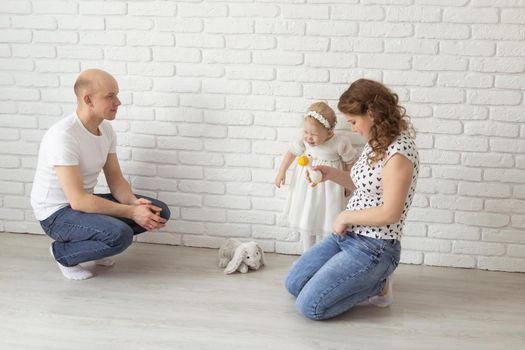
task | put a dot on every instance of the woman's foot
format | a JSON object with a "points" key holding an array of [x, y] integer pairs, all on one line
{"points": [[386, 296], [76, 272]]}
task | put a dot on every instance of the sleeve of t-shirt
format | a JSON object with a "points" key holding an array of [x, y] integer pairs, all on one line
{"points": [[346, 151], [113, 135], [62, 149], [297, 145], [403, 145]]}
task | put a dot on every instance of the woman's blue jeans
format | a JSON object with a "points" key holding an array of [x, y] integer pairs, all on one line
{"points": [[340, 272], [81, 237]]}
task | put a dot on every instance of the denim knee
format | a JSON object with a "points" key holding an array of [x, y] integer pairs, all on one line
{"points": [[122, 238], [307, 308], [165, 213], [291, 284], [165, 210]]}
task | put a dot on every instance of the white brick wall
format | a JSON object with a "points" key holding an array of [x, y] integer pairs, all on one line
{"points": [[214, 90]]}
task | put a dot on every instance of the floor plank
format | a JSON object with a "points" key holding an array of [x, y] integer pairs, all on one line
{"points": [[168, 297]]}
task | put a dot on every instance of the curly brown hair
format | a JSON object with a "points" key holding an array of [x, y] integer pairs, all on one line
{"points": [[389, 118]]}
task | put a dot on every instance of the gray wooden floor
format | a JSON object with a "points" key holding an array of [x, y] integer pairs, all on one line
{"points": [[167, 297]]}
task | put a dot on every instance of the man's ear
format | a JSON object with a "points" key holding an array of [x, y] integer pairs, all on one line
{"points": [[87, 100]]}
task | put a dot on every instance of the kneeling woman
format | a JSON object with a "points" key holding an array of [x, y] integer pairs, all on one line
{"points": [[356, 261]]}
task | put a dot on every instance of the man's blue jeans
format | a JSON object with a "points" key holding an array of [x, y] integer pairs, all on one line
{"points": [[339, 272], [81, 237]]}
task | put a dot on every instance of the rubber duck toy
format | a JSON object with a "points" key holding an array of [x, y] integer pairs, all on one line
{"points": [[315, 175]]}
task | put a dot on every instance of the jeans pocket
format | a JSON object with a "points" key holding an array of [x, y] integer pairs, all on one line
{"points": [[49, 223], [372, 245], [44, 226], [395, 262]]}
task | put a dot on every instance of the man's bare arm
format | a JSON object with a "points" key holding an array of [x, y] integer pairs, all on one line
{"points": [[71, 182]]}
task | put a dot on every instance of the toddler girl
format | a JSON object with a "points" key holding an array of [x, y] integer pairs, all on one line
{"points": [[312, 210]]}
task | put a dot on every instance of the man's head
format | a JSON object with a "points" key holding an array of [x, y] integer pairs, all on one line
{"points": [[96, 93]]}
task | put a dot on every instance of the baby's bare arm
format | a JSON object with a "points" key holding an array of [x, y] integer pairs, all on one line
{"points": [[288, 159]]}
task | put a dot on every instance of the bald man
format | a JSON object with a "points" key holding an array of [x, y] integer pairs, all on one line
{"points": [[86, 226]]}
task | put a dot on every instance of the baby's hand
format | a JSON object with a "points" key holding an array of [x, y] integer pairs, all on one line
{"points": [[280, 180]]}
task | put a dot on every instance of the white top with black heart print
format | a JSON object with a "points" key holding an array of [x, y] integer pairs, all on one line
{"points": [[369, 187]]}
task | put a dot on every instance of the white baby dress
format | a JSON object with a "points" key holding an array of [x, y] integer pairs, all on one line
{"points": [[312, 210]]}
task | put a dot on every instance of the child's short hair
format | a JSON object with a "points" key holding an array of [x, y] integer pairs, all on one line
{"points": [[325, 110]]}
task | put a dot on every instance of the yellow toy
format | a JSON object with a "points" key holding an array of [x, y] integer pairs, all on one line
{"points": [[315, 175]]}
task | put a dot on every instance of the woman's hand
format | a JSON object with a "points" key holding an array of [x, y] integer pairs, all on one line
{"points": [[340, 226], [325, 172], [280, 179]]}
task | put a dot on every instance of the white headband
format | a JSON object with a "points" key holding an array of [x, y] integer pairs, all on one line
{"points": [[320, 118]]}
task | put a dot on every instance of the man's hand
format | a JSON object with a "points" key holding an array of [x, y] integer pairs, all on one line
{"points": [[340, 226], [139, 201], [147, 202], [147, 216]]}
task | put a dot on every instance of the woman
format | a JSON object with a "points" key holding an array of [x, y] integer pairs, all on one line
{"points": [[356, 261]]}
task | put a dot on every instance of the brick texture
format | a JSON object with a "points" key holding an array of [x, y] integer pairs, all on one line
{"points": [[213, 91]]}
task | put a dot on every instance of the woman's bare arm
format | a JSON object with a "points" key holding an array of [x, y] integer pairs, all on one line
{"points": [[397, 177], [341, 177]]}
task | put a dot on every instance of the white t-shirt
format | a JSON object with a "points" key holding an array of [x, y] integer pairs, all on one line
{"points": [[369, 187], [68, 142]]}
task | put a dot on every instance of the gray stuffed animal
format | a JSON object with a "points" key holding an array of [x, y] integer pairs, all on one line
{"points": [[237, 256]]}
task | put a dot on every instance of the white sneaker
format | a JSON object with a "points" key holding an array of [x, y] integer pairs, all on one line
{"points": [[76, 272]]}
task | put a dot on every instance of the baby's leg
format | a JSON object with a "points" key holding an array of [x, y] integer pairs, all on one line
{"points": [[308, 241]]}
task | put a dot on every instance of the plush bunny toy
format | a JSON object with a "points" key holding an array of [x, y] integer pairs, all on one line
{"points": [[237, 256]]}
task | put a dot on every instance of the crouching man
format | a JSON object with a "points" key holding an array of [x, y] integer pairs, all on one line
{"points": [[86, 226]]}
